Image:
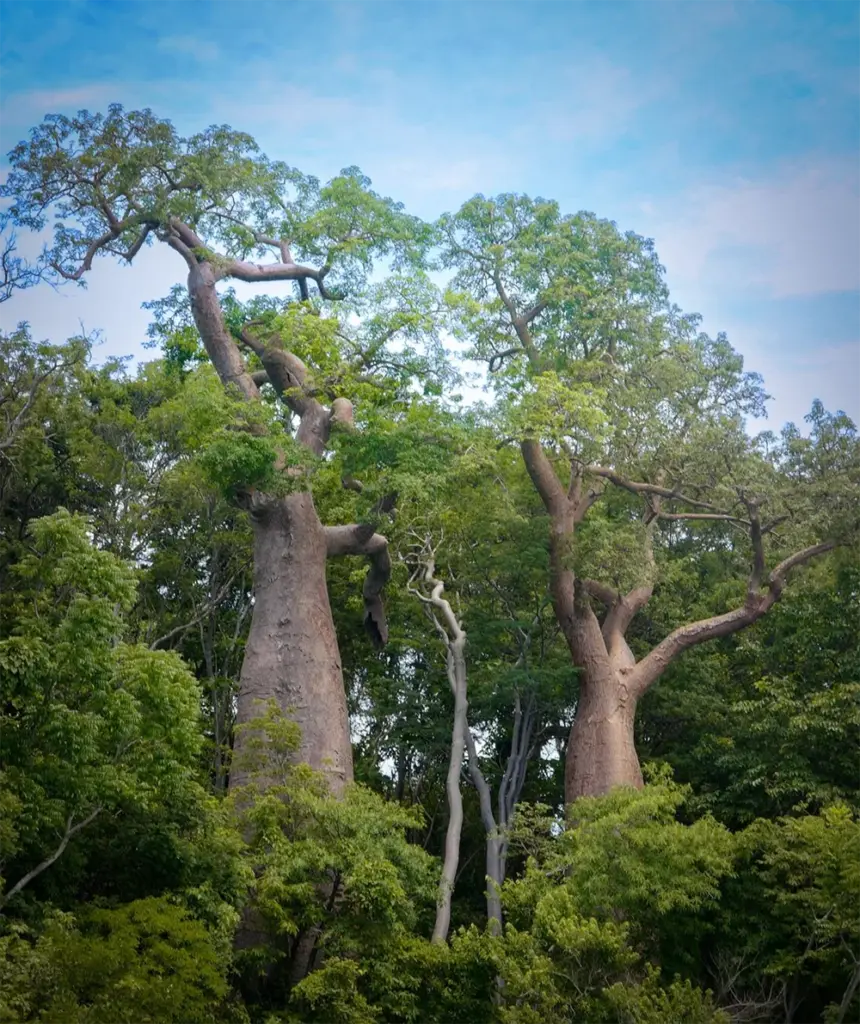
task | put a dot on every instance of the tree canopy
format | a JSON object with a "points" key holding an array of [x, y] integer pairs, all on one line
{"points": [[573, 738]]}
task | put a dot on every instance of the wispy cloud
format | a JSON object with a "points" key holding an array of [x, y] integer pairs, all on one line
{"points": [[827, 372], [190, 46], [597, 103], [24, 107], [793, 234]]}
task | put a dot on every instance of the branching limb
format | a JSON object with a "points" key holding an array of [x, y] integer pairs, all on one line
{"points": [[759, 601], [640, 487], [204, 611], [15, 272], [454, 640]]}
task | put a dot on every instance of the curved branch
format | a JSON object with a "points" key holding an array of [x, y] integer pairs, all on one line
{"points": [[637, 487], [498, 358], [86, 264], [757, 604], [601, 592], [360, 539]]}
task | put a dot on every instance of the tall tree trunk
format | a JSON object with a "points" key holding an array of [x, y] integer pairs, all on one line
{"points": [[601, 753], [457, 678], [292, 652], [494, 856]]}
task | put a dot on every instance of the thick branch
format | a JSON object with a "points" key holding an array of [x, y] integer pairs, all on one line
{"points": [[622, 612], [601, 592], [543, 476], [757, 604], [87, 262], [361, 540], [637, 487], [255, 273]]}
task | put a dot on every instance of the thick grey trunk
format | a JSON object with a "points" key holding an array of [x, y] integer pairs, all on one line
{"points": [[601, 753], [292, 654]]}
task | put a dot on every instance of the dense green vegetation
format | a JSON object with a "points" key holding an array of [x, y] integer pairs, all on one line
{"points": [[168, 853]]}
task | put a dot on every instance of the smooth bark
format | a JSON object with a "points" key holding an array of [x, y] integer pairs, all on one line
{"points": [[292, 654], [601, 753], [457, 677], [72, 828], [450, 629]]}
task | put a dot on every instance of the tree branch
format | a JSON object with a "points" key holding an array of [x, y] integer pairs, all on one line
{"points": [[360, 539], [49, 860], [601, 592], [757, 604], [543, 476], [204, 611], [636, 487]]}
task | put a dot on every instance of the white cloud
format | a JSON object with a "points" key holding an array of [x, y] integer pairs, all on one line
{"points": [[24, 108], [596, 102], [110, 304], [794, 234], [190, 46], [830, 373]]}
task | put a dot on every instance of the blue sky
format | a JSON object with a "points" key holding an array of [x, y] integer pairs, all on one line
{"points": [[728, 132]]}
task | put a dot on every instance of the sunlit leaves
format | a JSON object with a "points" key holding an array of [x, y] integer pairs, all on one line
{"points": [[89, 722]]}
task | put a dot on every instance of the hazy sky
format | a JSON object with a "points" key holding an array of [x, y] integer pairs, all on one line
{"points": [[728, 132]]}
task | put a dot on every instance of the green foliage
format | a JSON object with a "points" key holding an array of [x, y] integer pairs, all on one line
{"points": [[313, 853], [626, 860], [135, 165], [799, 878], [146, 961], [767, 724], [89, 723], [137, 877]]}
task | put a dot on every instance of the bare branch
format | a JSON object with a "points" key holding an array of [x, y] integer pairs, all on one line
{"points": [[87, 262], [758, 550], [204, 611], [51, 858], [777, 579], [15, 272], [498, 358], [636, 487], [714, 516]]}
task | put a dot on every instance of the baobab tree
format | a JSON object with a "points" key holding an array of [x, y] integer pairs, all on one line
{"points": [[630, 422], [112, 184]]}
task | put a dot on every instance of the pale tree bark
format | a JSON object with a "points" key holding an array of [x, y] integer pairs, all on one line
{"points": [[454, 639], [523, 749], [601, 752], [72, 828], [450, 630]]}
